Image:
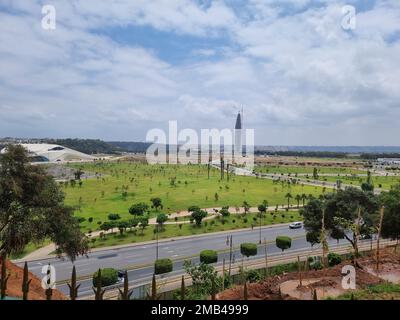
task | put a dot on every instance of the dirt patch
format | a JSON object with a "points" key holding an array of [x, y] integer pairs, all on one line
{"points": [[36, 292], [389, 267], [326, 283]]}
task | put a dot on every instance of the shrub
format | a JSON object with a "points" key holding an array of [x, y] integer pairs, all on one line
{"points": [[208, 256], [109, 276], [334, 259], [90, 220], [114, 216], [248, 249], [162, 266], [283, 242], [253, 276], [81, 220], [245, 220], [317, 265]]}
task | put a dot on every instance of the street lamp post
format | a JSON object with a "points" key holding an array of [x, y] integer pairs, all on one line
{"points": [[157, 242]]}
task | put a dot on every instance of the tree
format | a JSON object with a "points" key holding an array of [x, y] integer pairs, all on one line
{"points": [[288, 196], [162, 266], [161, 219], [122, 226], [298, 199], [157, 203], [283, 242], [248, 249], [114, 217], [313, 238], [304, 198], [246, 207], [349, 213], [315, 173], [224, 212], [198, 216], [32, 208], [203, 276], [208, 256], [139, 209], [262, 209], [106, 226], [391, 220], [78, 174], [193, 208], [143, 223], [368, 186]]}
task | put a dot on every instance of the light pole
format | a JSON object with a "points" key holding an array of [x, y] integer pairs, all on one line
{"points": [[157, 242]]}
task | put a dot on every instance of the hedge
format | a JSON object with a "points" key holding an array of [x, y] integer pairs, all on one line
{"points": [[248, 249], [283, 242], [162, 266], [109, 276], [208, 256]]}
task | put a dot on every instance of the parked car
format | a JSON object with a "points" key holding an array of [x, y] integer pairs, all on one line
{"points": [[296, 225]]}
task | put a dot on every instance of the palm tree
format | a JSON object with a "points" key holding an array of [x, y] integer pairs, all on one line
{"points": [[246, 207], [304, 198], [298, 199], [288, 196]]}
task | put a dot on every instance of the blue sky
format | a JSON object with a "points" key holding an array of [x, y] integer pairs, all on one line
{"points": [[115, 69]]}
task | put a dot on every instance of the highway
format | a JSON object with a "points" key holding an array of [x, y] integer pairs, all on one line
{"points": [[139, 259]]}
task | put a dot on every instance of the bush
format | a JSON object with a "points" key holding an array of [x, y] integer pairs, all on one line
{"points": [[334, 259], [283, 242], [315, 263], [253, 276], [162, 266], [208, 256], [81, 219], [114, 216], [248, 249], [109, 276]]}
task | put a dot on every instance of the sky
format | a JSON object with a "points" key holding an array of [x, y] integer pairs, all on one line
{"points": [[113, 70]]}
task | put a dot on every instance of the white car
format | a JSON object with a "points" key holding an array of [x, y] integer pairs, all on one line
{"points": [[295, 225]]}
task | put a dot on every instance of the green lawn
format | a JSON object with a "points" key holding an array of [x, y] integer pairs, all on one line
{"points": [[98, 197], [230, 223], [378, 181], [29, 249], [306, 169]]}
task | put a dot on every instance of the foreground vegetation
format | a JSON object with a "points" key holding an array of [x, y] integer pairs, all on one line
{"points": [[385, 291]]}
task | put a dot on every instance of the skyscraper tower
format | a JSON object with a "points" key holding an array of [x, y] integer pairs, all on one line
{"points": [[238, 147]]}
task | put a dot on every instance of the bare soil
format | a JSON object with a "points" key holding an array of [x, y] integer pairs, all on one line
{"points": [[326, 283], [36, 292]]}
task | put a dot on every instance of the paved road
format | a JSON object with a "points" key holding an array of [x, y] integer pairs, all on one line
{"points": [[140, 258]]}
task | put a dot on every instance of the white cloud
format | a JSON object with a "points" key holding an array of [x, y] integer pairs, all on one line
{"points": [[289, 63]]}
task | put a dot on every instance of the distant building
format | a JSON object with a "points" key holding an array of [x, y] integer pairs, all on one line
{"points": [[52, 153], [389, 161], [238, 147]]}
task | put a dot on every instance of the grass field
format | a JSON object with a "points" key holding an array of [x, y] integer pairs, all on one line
{"points": [[230, 223], [378, 181], [178, 186], [306, 169], [385, 291]]}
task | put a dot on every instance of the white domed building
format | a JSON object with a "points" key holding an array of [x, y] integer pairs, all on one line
{"points": [[41, 152]]}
